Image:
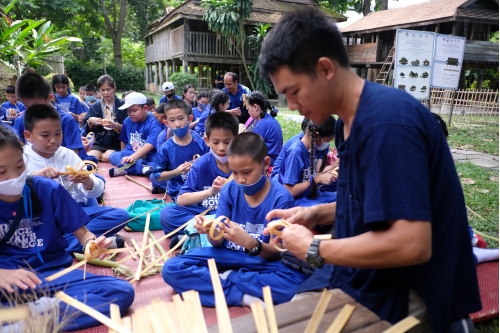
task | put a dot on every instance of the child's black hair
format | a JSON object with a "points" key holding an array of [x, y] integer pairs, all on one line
{"points": [[125, 93], [325, 129], [212, 93], [222, 120], [178, 104], [258, 98], [105, 79], [90, 88], [217, 99], [10, 89], [248, 144], [38, 112], [201, 94], [150, 101], [160, 109], [9, 139], [186, 88], [59, 78], [32, 86], [441, 123]]}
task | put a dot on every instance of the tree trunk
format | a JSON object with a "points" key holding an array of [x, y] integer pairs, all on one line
{"points": [[117, 51], [239, 45], [115, 28], [384, 4], [366, 7]]}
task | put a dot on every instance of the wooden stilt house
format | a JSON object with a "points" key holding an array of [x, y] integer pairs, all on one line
{"points": [[181, 41]]}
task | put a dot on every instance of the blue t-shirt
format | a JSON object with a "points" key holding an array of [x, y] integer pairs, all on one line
{"points": [[136, 134], [196, 113], [396, 164], [71, 132], [279, 159], [295, 166], [200, 127], [171, 155], [9, 127], [59, 214], [164, 99], [232, 204], [162, 138], [70, 103], [270, 130], [236, 101], [5, 109], [200, 178]]}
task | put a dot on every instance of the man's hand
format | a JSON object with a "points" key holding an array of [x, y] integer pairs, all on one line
{"points": [[18, 277], [183, 168], [235, 111], [305, 216], [297, 239], [47, 172], [217, 184]]}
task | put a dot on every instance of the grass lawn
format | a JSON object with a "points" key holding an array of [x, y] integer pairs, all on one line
{"points": [[481, 138]]}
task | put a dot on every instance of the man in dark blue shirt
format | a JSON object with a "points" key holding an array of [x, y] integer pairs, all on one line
{"points": [[236, 92], [400, 222]]}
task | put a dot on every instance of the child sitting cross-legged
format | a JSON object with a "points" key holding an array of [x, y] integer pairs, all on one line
{"points": [[175, 156], [138, 138], [47, 158], [207, 175], [245, 259]]}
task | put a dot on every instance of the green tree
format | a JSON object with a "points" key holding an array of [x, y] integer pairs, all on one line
{"points": [[227, 18], [255, 42], [360, 6]]}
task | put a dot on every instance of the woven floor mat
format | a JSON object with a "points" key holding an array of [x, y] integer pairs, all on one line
{"points": [[487, 275]]}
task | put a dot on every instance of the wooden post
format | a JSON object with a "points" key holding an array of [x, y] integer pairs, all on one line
{"points": [[480, 78], [167, 65], [156, 75], [184, 66], [455, 28], [451, 107], [466, 24], [160, 65], [488, 29], [146, 77], [471, 31]]}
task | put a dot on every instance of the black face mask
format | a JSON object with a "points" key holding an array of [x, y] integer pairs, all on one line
{"points": [[170, 95]]}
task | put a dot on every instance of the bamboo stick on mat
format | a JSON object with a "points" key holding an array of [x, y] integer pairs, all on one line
{"points": [[144, 243], [220, 300]]}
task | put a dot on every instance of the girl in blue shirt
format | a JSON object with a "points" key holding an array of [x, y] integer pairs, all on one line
{"points": [[36, 248], [219, 101], [201, 104], [64, 99], [265, 123], [188, 94]]}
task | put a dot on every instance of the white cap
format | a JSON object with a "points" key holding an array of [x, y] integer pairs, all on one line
{"points": [[132, 99], [168, 86]]}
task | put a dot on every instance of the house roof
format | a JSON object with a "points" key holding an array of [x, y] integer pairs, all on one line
{"points": [[264, 11], [434, 11]]}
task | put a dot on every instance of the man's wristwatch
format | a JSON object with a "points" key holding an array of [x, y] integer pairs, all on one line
{"points": [[256, 250], [313, 257]]}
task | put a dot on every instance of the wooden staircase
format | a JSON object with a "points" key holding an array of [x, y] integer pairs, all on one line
{"points": [[386, 68]]}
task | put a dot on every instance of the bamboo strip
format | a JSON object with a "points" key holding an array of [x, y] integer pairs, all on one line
{"points": [[220, 300], [138, 248], [152, 250], [403, 326], [126, 222], [65, 271], [323, 236], [156, 323], [259, 317], [91, 312], [193, 295], [341, 319], [484, 235], [319, 311], [151, 265], [130, 250], [12, 314], [184, 320], [271, 316], [173, 314], [144, 243], [149, 188], [114, 313], [158, 245], [127, 323], [160, 308], [125, 167]]}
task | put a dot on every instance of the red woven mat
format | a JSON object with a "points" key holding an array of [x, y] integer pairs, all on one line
{"points": [[487, 275]]}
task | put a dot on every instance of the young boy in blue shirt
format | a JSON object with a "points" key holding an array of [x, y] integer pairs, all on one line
{"points": [[207, 175], [245, 259], [34, 89], [138, 138], [10, 110], [176, 155]]}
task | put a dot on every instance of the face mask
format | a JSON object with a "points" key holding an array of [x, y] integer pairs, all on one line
{"points": [[181, 132], [203, 106], [253, 188], [14, 186], [90, 98], [170, 95], [324, 146], [223, 160]]}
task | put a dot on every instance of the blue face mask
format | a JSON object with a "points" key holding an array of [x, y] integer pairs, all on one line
{"points": [[181, 132], [90, 98], [253, 188], [203, 106]]}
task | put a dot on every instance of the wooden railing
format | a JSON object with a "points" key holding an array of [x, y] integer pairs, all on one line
{"points": [[208, 44]]}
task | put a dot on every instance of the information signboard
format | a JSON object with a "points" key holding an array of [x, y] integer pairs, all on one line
{"points": [[448, 59]]}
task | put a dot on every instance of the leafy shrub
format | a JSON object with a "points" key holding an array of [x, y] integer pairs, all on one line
{"points": [[126, 77], [182, 79]]}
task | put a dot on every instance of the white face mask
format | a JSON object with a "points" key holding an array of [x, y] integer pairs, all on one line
{"points": [[14, 186], [223, 160], [324, 146]]}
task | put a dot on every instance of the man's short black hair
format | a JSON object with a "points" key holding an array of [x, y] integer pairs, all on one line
{"points": [[150, 101], [31, 86], [234, 76], [160, 109], [38, 112], [178, 104], [298, 40], [222, 120], [248, 144], [90, 88], [10, 89]]}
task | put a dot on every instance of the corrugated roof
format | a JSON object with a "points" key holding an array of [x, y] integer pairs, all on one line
{"points": [[422, 12], [264, 11]]}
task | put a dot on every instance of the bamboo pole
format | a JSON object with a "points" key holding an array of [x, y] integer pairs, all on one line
{"points": [[149, 188], [220, 300], [341, 319], [271, 316], [259, 317], [403, 326], [114, 312], [144, 243], [318, 313], [151, 265]]}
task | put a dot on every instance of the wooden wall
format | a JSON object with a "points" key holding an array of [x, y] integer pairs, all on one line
{"points": [[476, 50], [362, 53]]}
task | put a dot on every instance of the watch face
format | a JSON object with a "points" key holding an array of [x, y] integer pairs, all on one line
{"points": [[314, 261]]}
